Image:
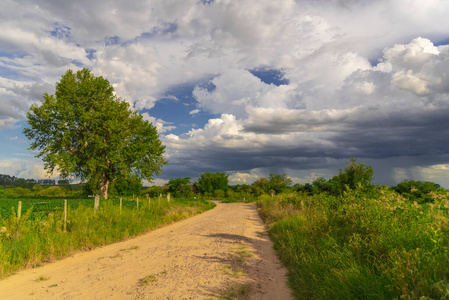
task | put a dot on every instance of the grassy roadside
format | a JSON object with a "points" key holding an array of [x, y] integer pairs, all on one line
{"points": [[27, 243], [374, 245]]}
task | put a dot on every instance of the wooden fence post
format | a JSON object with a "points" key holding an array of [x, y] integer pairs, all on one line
{"points": [[19, 211], [120, 204], [19, 215], [97, 204], [168, 197], [137, 199], [65, 214]]}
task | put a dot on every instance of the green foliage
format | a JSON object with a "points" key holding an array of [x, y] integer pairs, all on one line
{"points": [[180, 187], [126, 187], [12, 181], [371, 244], [416, 190], [52, 191], [320, 185], [261, 185], [219, 194], [241, 192], [37, 188], [209, 182], [84, 130], [154, 191], [276, 183], [354, 177], [279, 182]]}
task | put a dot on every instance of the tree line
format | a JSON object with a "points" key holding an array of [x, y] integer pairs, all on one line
{"points": [[216, 186], [354, 177], [13, 181]]}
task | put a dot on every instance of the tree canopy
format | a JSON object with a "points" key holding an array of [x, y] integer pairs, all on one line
{"points": [[85, 131], [210, 182], [276, 183], [180, 186]]}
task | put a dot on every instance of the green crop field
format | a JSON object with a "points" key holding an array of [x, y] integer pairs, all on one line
{"points": [[40, 208]]}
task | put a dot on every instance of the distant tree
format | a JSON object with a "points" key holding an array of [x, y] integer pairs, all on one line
{"points": [[416, 190], [242, 188], [357, 175], [154, 191], [63, 181], [354, 176], [180, 187], [86, 131], [7, 179], [20, 182], [279, 182], [320, 185], [306, 188], [261, 184], [209, 182]]}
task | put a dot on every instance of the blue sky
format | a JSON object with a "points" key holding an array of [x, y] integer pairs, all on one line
{"points": [[246, 87]]}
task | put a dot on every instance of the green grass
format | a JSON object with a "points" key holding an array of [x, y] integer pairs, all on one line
{"points": [[373, 245], [148, 279], [235, 292], [30, 241], [42, 278]]}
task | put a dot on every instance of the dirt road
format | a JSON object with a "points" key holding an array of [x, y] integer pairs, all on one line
{"points": [[222, 252]]}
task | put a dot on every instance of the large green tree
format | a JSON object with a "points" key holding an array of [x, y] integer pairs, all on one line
{"points": [[84, 130]]}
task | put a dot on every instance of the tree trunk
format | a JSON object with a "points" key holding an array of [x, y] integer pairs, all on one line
{"points": [[104, 184]]}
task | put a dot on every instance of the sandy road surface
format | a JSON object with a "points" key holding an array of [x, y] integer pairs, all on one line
{"points": [[199, 258]]}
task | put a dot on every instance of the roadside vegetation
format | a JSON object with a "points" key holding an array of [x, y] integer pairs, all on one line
{"points": [[348, 239], [40, 236]]}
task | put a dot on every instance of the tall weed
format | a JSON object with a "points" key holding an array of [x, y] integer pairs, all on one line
{"points": [[369, 245]]}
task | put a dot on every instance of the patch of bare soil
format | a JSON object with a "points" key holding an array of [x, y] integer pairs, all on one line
{"points": [[223, 253]]}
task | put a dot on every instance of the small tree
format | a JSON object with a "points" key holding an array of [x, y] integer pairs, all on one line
{"points": [[353, 177], [84, 130]]}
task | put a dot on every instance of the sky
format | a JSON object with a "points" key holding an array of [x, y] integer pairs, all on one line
{"points": [[248, 87]]}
